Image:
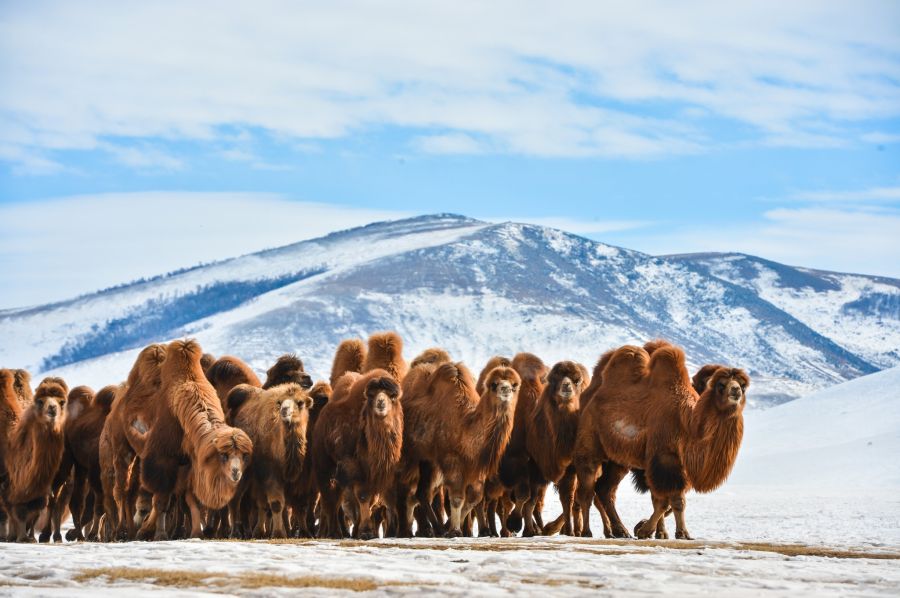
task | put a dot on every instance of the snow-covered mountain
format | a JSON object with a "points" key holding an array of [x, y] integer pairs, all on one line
{"points": [[479, 289]]}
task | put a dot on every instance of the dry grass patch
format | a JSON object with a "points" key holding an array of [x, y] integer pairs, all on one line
{"points": [[245, 581]]}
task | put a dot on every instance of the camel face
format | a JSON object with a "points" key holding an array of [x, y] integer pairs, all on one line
{"points": [[287, 410], [505, 390], [50, 410], [730, 386], [232, 466], [381, 404]]}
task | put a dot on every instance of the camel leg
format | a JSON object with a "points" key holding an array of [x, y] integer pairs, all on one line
{"points": [[535, 493], [56, 513], [605, 489], [587, 473], [275, 499], [566, 488], [196, 514], [157, 514], [647, 527], [681, 531], [539, 509], [457, 490]]}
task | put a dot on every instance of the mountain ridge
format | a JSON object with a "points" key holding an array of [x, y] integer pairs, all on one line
{"points": [[483, 288]]}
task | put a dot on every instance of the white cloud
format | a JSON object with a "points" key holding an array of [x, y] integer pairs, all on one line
{"points": [[849, 240], [450, 143], [513, 75], [55, 249], [873, 194]]}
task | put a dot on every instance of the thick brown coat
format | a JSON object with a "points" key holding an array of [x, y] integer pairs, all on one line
{"points": [[218, 452], [349, 357], [275, 419], [33, 453], [124, 435], [288, 369], [226, 373], [356, 447], [647, 416], [458, 433], [386, 352]]}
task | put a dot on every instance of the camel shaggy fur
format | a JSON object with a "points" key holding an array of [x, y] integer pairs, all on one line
{"points": [[356, 447], [10, 412], [33, 454], [646, 416], [386, 352], [517, 471], [22, 385], [459, 434], [275, 419], [288, 369], [550, 438], [217, 452], [349, 357], [124, 436], [226, 373], [432, 356], [304, 494], [86, 414]]}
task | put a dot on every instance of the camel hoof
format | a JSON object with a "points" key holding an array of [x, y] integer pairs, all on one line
{"points": [[641, 532], [44, 538], [528, 533], [514, 522], [57, 537], [160, 536], [662, 535], [621, 532], [74, 535], [453, 533], [586, 533], [683, 535], [484, 533]]}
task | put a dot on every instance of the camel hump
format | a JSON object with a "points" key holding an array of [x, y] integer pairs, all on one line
{"points": [[530, 368], [626, 365], [7, 377], [456, 374], [105, 397], [385, 341], [82, 394], [667, 367], [651, 346], [184, 351], [239, 395], [434, 355]]}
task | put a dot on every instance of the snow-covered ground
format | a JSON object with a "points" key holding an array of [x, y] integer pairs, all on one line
{"points": [[811, 509]]}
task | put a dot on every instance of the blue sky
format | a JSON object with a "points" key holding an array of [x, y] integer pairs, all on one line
{"points": [[765, 127]]}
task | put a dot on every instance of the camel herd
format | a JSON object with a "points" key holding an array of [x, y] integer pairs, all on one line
{"points": [[193, 446]]}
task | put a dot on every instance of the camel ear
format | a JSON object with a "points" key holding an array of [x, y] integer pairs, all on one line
{"points": [[307, 400]]}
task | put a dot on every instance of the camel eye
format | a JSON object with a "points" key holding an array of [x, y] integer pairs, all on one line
{"points": [[494, 387], [223, 457], [62, 403], [39, 403]]}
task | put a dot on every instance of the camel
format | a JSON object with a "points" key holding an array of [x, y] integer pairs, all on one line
{"points": [[646, 416]]}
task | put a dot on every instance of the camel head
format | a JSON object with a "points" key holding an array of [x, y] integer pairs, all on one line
{"points": [[382, 396], [49, 403], [320, 394], [292, 403], [565, 383], [503, 384], [728, 387], [288, 368], [228, 454]]}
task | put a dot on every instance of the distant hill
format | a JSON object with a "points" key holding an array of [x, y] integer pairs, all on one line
{"points": [[480, 289]]}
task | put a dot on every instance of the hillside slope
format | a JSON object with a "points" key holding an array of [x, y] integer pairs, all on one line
{"points": [[478, 289]]}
